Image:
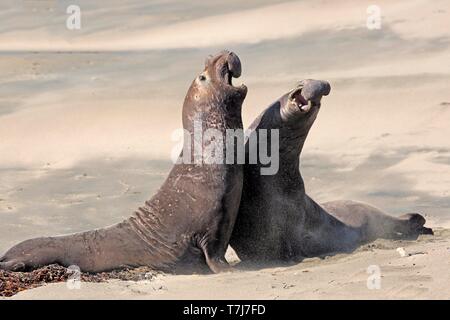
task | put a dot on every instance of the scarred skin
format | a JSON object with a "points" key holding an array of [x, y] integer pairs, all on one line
{"points": [[277, 220], [187, 224]]}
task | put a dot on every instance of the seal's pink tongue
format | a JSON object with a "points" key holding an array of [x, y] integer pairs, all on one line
{"points": [[298, 98]]}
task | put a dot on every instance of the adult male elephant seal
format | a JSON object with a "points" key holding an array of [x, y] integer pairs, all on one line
{"points": [[188, 221], [277, 220]]}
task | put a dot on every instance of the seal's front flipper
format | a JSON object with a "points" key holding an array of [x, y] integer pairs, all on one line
{"points": [[412, 225], [215, 261], [426, 230], [218, 265], [32, 254]]}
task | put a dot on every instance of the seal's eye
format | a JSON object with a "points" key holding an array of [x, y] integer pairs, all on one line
{"points": [[201, 77]]}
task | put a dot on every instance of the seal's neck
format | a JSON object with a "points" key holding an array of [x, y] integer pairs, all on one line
{"points": [[293, 131], [210, 131]]}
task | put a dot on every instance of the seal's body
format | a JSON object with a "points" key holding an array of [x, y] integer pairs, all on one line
{"points": [[277, 220], [189, 221]]}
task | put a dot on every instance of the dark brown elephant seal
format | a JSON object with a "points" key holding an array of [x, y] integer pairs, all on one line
{"points": [[277, 220], [188, 222]]}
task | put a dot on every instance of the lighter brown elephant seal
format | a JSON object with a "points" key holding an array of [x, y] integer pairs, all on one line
{"points": [[187, 224]]}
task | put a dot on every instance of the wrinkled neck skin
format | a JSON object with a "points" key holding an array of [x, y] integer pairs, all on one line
{"points": [[294, 128], [218, 112]]}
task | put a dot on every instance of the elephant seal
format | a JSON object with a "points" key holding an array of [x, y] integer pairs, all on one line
{"points": [[187, 224], [277, 220]]}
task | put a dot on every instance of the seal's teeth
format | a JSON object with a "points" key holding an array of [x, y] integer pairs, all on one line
{"points": [[306, 107]]}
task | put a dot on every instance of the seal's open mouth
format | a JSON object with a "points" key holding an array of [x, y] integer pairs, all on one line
{"points": [[304, 105], [227, 75], [309, 93]]}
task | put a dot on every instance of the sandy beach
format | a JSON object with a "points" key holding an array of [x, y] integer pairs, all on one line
{"points": [[87, 116], [422, 273]]}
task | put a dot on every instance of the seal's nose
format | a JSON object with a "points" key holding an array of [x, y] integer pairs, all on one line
{"points": [[314, 89], [229, 58], [234, 65]]}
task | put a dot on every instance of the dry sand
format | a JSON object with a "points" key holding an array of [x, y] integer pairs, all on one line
{"points": [[85, 137]]}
